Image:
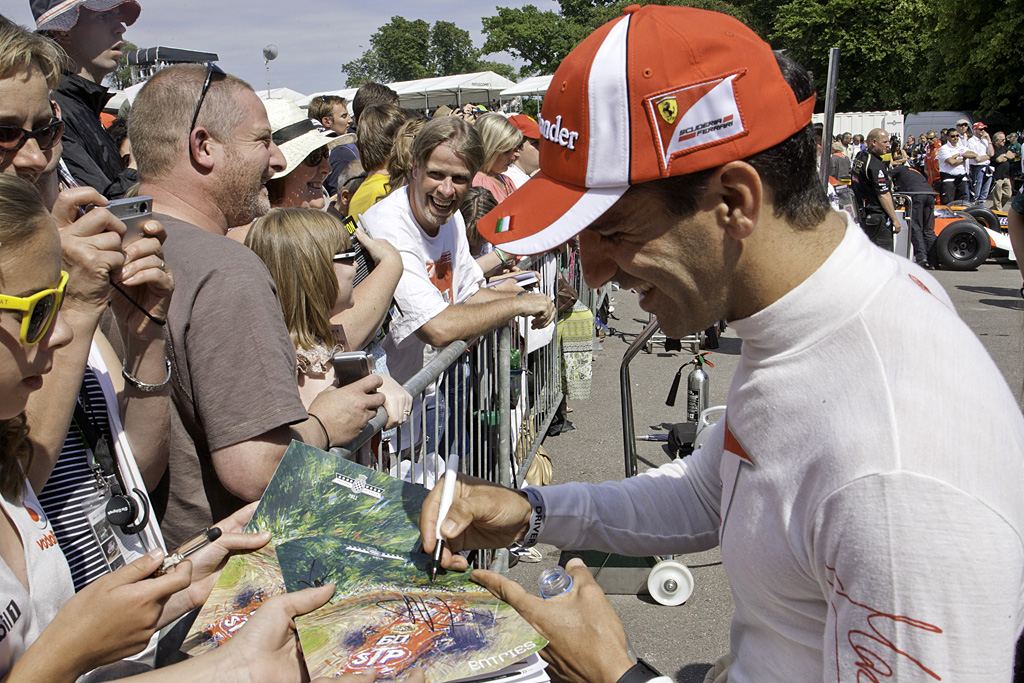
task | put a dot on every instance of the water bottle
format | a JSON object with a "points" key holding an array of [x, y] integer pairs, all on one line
{"points": [[554, 581]]}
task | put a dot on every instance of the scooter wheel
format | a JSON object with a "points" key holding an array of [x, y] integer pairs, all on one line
{"points": [[670, 583]]}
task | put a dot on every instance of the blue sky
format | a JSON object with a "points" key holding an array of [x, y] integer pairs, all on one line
{"points": [[313, 38]]}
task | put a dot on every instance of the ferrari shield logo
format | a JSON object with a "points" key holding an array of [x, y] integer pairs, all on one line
{"points": [[668, 109]]}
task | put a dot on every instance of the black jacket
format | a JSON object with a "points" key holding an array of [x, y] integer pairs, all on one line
{"points": [[89, 151]]}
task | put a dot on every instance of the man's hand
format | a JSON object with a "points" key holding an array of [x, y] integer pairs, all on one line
{"points": [[540, 306], [266, 648], [208, 562], [145, 277], [345, 411], [379, 250], [90, 245], [587, 643], [482, 515]]}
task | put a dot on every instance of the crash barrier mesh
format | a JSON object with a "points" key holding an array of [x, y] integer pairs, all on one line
{"points": [[491, 400]]}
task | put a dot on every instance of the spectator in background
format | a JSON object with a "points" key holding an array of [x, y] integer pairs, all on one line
{"points": [[1002, 186], [922, 213], [528, 160], [309, 254], [931, 160], [501, 142], [368, 95], [952, 159], [305, 148], [400, 160], [331, 111], [348, 182], [205, 172], [858, 145], [872, 191], [378, 125], [897, 156], [848, 149], [838, 164], [91, 35], [980, 168]]}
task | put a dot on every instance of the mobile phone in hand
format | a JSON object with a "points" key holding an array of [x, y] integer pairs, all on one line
{"points": [[133, 212], [352, 366]]}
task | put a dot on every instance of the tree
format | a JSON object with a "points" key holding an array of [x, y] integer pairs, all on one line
{"points": [[404, 50], [451, 50], [543, 39], [973, 59], [877, 58], [399, 51], [123, 77]]}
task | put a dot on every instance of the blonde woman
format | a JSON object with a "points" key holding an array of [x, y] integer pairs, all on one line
{"points": [[501, 141], [308, 253]]}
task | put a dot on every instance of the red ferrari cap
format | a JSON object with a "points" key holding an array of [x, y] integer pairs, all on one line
{"points": [[658, 92], [526, 125]]}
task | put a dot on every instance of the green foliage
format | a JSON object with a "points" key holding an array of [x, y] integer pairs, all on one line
{"points": [[404, 50], [451, 50], [122, 77], [876, 57]]}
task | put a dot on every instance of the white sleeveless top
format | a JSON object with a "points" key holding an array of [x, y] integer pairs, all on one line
{"points": [[23, 616]]}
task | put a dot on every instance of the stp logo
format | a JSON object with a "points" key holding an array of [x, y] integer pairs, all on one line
{"points": [[385, 659]]}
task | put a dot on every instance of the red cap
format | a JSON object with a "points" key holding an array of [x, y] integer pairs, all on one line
{"points": [[659, 92], [526, 125], [979, 126]]}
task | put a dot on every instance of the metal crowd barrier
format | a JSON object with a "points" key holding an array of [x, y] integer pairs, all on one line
{"points": [[470, 399]]}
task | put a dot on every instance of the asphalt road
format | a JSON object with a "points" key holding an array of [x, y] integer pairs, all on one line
{"points": [[683, 641]]}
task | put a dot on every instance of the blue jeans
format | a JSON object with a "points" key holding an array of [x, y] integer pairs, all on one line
{"points": [[981, 183]]}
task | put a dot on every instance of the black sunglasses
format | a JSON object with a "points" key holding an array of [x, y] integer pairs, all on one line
{"points": [[211, 69], [13, 138], [314, 158]]}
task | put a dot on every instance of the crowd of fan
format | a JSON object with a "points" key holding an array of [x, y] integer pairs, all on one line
{"points": [[191, 350], [961, 163]]}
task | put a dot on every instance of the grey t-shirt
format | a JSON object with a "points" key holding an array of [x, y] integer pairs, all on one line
{"points": [[233, 370]]}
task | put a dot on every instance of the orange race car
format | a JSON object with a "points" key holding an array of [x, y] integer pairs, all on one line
{"points": [[965, 236]]}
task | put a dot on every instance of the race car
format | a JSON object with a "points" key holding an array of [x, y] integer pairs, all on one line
{"points": [[965, 236]]}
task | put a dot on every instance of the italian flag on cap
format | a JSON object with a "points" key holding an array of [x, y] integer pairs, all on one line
{"points": [[503, 224]]}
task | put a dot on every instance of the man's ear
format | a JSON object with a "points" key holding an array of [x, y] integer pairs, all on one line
{"points": [[740, 194], [200, 148]]}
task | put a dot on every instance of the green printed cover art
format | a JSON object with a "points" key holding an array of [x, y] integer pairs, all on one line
{"points": [[312, 493], [386, 614]]}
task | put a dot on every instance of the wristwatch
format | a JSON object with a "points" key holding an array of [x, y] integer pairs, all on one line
{"points": [[642, 672]]}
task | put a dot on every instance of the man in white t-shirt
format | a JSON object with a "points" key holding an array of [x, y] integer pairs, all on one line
{"points": [[869, 518], [441, 295], [953, 163], [980, 171]]}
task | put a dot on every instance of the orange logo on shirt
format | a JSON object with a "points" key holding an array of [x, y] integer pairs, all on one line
{"points": [[440, 273]]}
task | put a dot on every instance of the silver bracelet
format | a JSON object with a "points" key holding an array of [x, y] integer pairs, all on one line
{"points": [[142, 386]]}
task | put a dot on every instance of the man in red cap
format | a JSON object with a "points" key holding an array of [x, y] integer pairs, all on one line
{"points": [[858, 542], [90, 32], [528, 161]]}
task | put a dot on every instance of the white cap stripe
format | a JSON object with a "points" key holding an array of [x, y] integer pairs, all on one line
{"points": [[608, 154], [585, 211]]}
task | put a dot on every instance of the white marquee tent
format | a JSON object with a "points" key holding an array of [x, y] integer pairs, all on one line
{"points": [[429, 93], [533, 86]]}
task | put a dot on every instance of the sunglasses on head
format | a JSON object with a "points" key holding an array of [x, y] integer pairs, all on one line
{"points": [[38, 310], [345, 256], [211, 69], [314, 158]]}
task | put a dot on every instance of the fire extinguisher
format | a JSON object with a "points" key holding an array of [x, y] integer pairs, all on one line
{"points": [[696, 387]]}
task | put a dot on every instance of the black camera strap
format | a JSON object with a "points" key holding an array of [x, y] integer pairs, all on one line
{"points": [[99, 446]]}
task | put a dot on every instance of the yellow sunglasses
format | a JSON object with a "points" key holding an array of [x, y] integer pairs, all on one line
{"points": [[39, 310]]}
